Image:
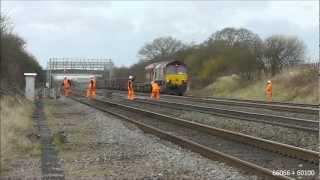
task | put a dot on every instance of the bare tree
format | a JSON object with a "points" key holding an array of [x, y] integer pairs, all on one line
{"points": [[15, 60], [5, 25], [160, 49], [241, 49], [232, 37], [281, 51]]}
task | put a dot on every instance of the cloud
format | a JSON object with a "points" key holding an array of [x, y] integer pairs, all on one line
{"points": [[118, 29]]}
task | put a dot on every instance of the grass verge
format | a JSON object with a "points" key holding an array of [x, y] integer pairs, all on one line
{"points": [[19, 138], [293, 85]]}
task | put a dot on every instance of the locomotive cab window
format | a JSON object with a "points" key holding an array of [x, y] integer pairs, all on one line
{"points": [[181, 69], [171, 69], [176, 69]]}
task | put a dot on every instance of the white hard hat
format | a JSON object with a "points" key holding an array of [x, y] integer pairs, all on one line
{"points": [[92, 77], [130, 77], [269, 81]]}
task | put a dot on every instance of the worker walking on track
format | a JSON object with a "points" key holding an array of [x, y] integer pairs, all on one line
{"points": [[155, 92], [70, 87], [66, 84], [130, 88], [91, 91], [269, 91]]}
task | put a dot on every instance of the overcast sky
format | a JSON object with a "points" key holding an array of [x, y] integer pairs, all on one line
{"points": [[117, 30]]}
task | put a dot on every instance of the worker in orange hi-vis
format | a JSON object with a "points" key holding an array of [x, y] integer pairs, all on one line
{"points": [[91, 91], [130, 88], [70, 87], [269, 91], [66, 86], [155, 92]]}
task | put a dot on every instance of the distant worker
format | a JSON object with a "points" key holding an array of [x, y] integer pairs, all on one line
{"points": [[269, 91], [130, 88], [92, 87], [70, 85], [66, 84], [155, 92]]}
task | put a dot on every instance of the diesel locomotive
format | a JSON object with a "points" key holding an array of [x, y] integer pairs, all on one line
{"points": [[172, 77]]}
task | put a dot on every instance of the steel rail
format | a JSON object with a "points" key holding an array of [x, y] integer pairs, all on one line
{"points": [[295, 123], [279, 106], [271, 146], [283, 121], [262, 102]]}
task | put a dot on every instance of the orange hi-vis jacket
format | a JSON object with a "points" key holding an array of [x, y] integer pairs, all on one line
{"points": [[269, 89], [66, 84], [130, 85], [130, 90], [155, 87], [92, 85]]}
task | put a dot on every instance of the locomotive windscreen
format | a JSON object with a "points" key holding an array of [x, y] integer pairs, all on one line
{"points": [[175, 69]]}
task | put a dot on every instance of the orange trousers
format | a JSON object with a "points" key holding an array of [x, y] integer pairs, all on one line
{"points": [[269, 97], [131, 94], [67, 91], [155, 95], [91, 93]]}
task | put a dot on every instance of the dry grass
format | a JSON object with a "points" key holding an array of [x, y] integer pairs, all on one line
{"points": [[17, 130], [293, 85], [53, 124], [59, 119]]}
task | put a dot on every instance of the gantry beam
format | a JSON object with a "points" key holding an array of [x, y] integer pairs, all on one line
{"points": [[102, 66]]}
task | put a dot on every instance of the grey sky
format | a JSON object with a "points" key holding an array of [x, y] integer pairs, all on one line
{"points": [[117, 30]]}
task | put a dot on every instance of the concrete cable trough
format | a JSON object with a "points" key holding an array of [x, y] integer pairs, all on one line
{"points": [[50, 165]]}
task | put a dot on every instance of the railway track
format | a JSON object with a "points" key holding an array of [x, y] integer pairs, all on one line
{"points": [[268, 159], [278, 106], [308, 109], [288, 122], [262, 102], [283, 121]]}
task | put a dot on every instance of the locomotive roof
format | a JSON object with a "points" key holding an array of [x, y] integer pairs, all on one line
{"points": [[162, 63]]}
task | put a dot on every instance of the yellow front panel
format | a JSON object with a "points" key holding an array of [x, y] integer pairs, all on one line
{"points": [[176, 79]]}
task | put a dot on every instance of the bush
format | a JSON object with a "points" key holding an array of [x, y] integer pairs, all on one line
{"points": [[226, 85]]}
